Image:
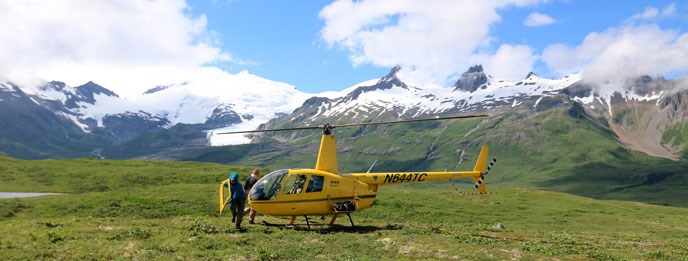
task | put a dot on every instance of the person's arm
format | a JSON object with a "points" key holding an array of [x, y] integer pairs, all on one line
{"points": [[234, 194]]}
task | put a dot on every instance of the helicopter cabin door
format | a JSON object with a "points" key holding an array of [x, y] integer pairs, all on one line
{"points": [[303, 186], [295, 184], [305, 192]]}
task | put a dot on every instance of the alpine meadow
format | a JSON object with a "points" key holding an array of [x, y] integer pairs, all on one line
{"points": [[356, 130]]}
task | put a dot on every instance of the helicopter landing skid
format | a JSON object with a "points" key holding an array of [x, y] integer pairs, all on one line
{"points": [[348, 214], [308, 224], [334, 217]]}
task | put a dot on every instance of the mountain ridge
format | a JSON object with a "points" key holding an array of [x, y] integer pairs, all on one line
{"points": [[566, 134], [216, 107]]}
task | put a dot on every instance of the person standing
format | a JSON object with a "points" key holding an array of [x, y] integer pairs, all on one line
{"points": [[238, 199], [250, 181]]}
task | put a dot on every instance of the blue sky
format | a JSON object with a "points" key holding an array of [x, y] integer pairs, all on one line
{"points": [[316, 46], [280, 40]]}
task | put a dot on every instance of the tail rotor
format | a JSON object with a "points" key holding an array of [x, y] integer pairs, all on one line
{"points": [[481, 180]]}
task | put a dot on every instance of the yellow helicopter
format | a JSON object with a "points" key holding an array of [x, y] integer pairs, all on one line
{"points": [[324, 191]]}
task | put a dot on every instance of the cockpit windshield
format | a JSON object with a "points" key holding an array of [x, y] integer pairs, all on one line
{"points": [[267, 187]]}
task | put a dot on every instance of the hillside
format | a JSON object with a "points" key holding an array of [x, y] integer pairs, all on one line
{"points": [[623, 141], [167, 210], [560, 149], [55, 120]]}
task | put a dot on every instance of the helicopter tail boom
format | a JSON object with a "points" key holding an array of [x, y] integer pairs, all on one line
{"points": [[388, 178]]}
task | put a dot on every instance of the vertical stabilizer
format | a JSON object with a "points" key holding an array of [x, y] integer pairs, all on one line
{"points": [[481, 166], [327, 156]]}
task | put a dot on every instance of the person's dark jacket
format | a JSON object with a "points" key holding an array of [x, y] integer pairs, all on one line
{"points": [[250, 181], [236, 189]]}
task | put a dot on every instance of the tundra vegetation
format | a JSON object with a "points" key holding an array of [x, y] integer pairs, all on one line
{"points": [[168, 210]]}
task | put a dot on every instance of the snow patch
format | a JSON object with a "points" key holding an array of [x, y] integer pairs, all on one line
{"points": [[76, 121], [586, 100], [52, 94], [217, 139], [538, 101]]}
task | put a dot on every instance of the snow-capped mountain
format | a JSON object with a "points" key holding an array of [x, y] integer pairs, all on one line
{"points": [[34, 128], [390, 97], [193, 112], [228, 102]]}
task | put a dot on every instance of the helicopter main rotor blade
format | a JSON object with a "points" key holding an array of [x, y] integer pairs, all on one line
{"points": [[411, 120], [327, 126], [269, 130]]}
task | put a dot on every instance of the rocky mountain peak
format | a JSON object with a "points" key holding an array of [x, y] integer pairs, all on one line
{"points": [[156, 89], [86, 93], [645, 84], [476, 69], [530, 74], [315, 101], [222, 116], [472, 79], [55, 85], [385, 83], [392, 75], [91, 88]]}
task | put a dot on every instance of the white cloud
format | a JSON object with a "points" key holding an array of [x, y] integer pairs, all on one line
{"points": [[538, 19], [619, 53], [127, 45], [434, 38], [653, 13], [511, 62]]}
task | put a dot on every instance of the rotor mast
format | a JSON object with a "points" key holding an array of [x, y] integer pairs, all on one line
{"points": [[327, 155]]}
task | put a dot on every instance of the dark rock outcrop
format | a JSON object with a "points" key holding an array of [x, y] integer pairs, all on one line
{"points": [[471, 80]]}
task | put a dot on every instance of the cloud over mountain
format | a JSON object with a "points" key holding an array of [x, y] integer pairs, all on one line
{"points": [[618, 53], [132, 44], [434, 38]]}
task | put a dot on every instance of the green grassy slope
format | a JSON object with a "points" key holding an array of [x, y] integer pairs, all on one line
{"points": [[677, 136], [556, 151], [167, 210]]}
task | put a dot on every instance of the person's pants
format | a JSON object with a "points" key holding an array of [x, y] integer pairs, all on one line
{"points": [[237, 208], [252, 215]]}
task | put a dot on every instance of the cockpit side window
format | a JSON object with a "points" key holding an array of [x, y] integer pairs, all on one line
{"points": [[316, 184], [295, 184], [267, 187]]}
